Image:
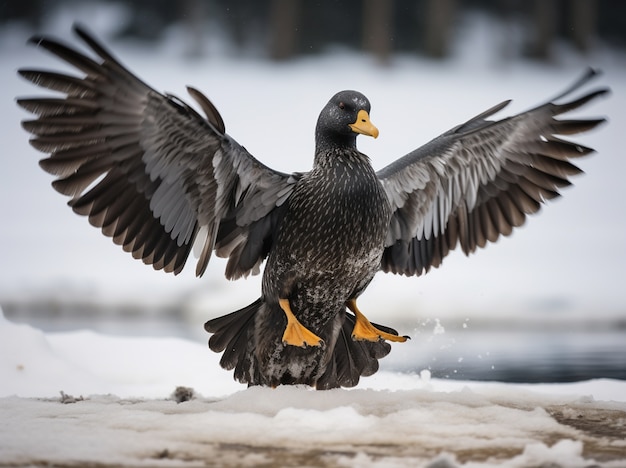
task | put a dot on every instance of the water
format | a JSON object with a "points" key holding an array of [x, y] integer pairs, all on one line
{"points": [[517, 355]]}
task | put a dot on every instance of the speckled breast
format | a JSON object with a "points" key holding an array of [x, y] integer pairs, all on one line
{"points": [[331, 240]]}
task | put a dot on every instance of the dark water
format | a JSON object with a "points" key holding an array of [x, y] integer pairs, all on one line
{"points": [[508, 353]]}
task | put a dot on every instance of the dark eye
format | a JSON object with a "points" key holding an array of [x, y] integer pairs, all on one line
{"points": [[342, 106]]}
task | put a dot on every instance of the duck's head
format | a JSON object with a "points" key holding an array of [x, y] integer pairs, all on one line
{"points": [[344, 117]]}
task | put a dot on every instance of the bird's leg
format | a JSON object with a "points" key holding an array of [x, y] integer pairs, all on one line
{"points": [[365, 331], [297, 334]]}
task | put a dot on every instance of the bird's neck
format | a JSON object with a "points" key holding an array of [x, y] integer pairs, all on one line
{"points": [[326, 141], [330, 158]]}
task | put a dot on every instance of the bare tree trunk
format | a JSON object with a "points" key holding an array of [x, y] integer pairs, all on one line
{"points": [[437, 27], [544, 18], [584, 18], [194, 15], [377, 28], [283, 28]]}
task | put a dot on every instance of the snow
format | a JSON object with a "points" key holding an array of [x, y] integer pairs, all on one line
{"points": [[564, 269], [119, 410]]}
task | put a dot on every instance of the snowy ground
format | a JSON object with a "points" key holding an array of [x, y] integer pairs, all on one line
{"points": [[117, 409], [565, 269]]}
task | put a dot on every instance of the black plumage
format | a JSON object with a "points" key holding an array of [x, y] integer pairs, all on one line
{"points": [[157, 177]]}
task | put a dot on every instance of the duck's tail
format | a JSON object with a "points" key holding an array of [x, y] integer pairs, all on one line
{"points": [[352, 359], [233, 334]]}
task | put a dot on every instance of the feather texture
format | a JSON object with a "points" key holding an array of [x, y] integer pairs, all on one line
{"points": [[479, 180], [148, 169]]}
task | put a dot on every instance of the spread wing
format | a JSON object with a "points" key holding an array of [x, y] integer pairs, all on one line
{"points": [[478, 181], [147, 169]]}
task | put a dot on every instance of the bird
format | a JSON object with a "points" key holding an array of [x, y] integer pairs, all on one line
{"points": [[159, 178]]}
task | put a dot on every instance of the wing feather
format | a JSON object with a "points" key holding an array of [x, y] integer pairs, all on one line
{"points": [[147, 169], [480, 180]]}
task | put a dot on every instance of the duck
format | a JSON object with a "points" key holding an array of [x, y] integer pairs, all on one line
{"points": [[159, 178]]}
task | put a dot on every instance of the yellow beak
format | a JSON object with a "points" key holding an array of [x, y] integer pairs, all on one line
{"points": [[363, 125]]}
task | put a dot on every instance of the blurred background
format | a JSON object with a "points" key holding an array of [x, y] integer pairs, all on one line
{"points": [[547, 304], [284, 29]]}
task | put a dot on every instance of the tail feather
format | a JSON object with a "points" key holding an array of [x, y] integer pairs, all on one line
{"points": [[234, 335], [352, 359], [231, 334]]}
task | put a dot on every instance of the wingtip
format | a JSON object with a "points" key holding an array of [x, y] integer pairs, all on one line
{"points": [[81, 31], [78, 27], [588, 75], [593, 72], [36, 40], [24, 73]]}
